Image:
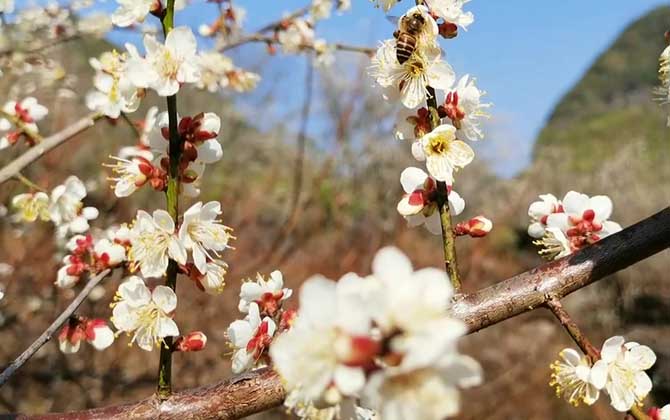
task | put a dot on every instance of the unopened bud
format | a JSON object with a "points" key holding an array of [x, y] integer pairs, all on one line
{"points": [[193, 341], [654, 413], [448, 30], [477, 227]]}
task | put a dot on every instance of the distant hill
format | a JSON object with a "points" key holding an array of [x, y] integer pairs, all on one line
{"points": [[612, 105]]}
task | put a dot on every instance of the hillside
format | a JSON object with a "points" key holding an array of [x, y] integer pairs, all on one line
{"points": [[612, 105]]}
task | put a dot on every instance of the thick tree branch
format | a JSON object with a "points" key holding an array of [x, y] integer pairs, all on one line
{"points": [[49, 143], [261, 390], [49, 332]]}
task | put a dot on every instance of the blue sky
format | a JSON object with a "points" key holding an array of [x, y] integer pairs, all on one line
{"points": [[524, 53]]}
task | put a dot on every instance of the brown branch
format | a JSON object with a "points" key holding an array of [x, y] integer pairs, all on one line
{"points": [[51, 330], [258, 37], [44, 46], [45, 146], [257, 391]]}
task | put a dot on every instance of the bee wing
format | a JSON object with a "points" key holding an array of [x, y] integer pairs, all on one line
{"points": [[393, 19]]}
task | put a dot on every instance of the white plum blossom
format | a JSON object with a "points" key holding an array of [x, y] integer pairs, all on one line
{"points": [[568, 225], [539, 212], [267, 293], [213, 67], [321, 9], [32, 206], [554, 244], [464, 108], [68, 275], [112, 96], [321, 357], [443, 152], [114, 92], [218, 71], [250, 338], [66, 209], [27, 113], [411, 307], [576, 379], [411, 79], [298, 34], [153, 240], [110, 253], [419, 204], [386, 339], [585, 216], [386, 5], [627, 382], [144, 313], [452, 11], [166, 66], [130, 12], [213, 281], [95, 331], [130, 174], [203, 234]]}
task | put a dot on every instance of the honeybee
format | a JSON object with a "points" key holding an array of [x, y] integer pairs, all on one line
{"points": [[410, 27]]}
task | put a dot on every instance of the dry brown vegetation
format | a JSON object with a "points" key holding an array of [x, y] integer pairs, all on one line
{"points": [[344, 213]]}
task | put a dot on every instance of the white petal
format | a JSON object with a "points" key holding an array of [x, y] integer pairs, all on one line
{"points": [[165, 298], [349, 380], [166, 327], [412, 179]]}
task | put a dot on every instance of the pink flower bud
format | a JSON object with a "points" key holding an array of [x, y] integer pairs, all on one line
{"points": [[477, 227], [193, 341]]}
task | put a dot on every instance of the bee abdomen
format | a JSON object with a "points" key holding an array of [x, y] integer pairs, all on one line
{"points": [[405, 47]]}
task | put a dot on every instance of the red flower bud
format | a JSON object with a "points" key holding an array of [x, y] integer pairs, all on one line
{"points": [[193, 341]]}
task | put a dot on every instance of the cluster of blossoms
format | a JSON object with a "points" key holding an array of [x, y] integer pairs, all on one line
{"points": [[114, 93], [154, 239], [146, 315], [148, 161], [262, 302], [87, 255], [64, 207], [23, 116], [297, 34], [620, 371], [385, 340], [410, 68], [565, 226]]}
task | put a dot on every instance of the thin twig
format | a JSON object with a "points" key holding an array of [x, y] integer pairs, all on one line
{"points": [[258, 37], [49, 332], [253, 392], [42, 47], [28, 183], [131, 124], [49, 143], [573, 330], [276, 24]]}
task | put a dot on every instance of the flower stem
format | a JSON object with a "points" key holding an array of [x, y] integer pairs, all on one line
{"points": [[28, 183], [448, 237], [571, 327], [174, 151]]}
